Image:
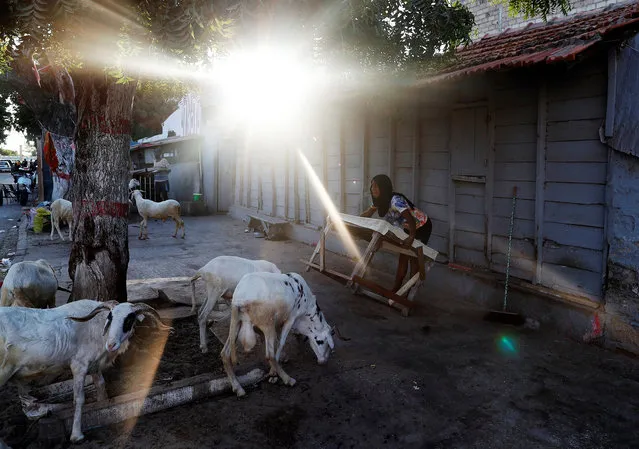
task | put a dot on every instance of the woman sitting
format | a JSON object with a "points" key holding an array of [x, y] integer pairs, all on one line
{"points": [[396, 209]]}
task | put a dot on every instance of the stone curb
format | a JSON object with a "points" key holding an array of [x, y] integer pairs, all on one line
{"points": [[21, 249]]}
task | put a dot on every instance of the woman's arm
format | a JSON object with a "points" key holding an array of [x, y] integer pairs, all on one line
{"points": [[412, 228], [369, 212]]}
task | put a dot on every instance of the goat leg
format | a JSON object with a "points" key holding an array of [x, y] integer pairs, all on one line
{"points": [[100, 387], [79, 373]]}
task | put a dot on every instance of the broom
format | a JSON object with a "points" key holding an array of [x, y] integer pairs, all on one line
{"points": [[502, 316]]}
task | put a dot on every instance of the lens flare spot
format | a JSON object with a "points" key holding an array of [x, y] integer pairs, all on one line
{"points": [[507, 345]]}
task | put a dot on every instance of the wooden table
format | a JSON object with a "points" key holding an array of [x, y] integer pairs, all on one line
{"points": [[383, 236]]}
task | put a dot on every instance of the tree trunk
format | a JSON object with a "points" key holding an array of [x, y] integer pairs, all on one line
{"points": [[100, 253]]}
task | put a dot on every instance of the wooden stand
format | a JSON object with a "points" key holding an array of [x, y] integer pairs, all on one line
{"points": [[384, 238]]}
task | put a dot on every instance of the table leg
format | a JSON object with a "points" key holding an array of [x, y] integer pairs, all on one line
{"points": [[319, 244], [362, 263]]}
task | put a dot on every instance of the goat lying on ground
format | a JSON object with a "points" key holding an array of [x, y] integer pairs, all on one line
{"points": [[29, 284], [163, 210], [221, 276], [268, 301], [37, 343], [61, 210]]}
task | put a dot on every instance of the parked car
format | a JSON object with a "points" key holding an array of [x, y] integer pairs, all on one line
{"points": [[5, 167]]}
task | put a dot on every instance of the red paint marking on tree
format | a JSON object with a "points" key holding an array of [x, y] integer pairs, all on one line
{"points": [[105, 208]]}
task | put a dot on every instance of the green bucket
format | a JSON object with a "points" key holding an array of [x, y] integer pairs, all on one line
{"points": [[197, 196]]}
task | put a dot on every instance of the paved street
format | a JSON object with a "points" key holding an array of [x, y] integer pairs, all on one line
{"points": [[460, 382]]}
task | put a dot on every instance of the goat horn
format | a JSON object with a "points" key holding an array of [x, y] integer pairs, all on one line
{"points": [[150, 311], [94, 312], [339, 334]]}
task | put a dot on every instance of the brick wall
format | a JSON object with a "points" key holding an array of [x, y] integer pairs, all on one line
{"points": [[487, 15]]}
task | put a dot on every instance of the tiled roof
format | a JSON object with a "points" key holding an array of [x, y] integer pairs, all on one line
{"points": [[557, 40]]}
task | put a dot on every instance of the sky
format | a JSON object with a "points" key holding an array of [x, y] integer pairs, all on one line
{"points": [[14, 140]]}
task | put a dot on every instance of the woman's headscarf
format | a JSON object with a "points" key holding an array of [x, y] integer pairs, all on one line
{"points": [[382, 203]]}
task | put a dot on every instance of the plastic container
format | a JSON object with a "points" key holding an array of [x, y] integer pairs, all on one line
{"points": [[197, 196]]}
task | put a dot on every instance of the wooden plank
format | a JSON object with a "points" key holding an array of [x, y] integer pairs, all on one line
{"points": [[576, 193], [522, 248], [392, 149], [475, 179], [342, 165], [473, 189], [515, 171], [611, 92], [516, 134], [522, 229], [322, 251], [525, 189], [515, 272], [273, 190], [470, 256], [439, 212], [324, 149], [577, 214], [362, 263], [580, 172], [327, 271], [434, 195], [516, 97], [435, 161], [586, 151], [439, 243], [571, 280], [571, 235], [516, 152], [382, 291], [249, 178], [574, 86], [437, 178], [577, 109], [516, 115], [451, 218], [260, 193], [439, 227], [409, 284], [540, 177], [470, 204], [574, 130], [581, 258], [296, 192], [502, 207], [470, 240], [525, 265], [420, 263], [287, 186], [364, 183], [470, 222]]}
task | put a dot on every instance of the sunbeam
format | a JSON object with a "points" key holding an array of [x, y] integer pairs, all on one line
{"points": [[330, 207]]}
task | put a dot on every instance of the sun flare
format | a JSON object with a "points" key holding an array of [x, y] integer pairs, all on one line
{"points": [[265, 88]]}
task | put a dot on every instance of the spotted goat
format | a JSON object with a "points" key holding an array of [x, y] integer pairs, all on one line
{"points": [[268, 301]]}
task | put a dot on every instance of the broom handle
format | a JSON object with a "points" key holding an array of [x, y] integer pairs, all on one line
{"points": [[510, 240]]}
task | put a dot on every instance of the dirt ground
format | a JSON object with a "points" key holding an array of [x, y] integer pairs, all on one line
{"points": [[437, 379]]}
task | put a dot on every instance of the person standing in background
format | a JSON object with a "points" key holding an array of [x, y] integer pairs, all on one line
{"points": [[161, 170]]}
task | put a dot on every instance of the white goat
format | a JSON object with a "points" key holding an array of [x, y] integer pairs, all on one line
{"points": [[29, 284], [163, 210], [268, 301], [221, 276], [41, 343], [133, 184], [61, 210]]}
